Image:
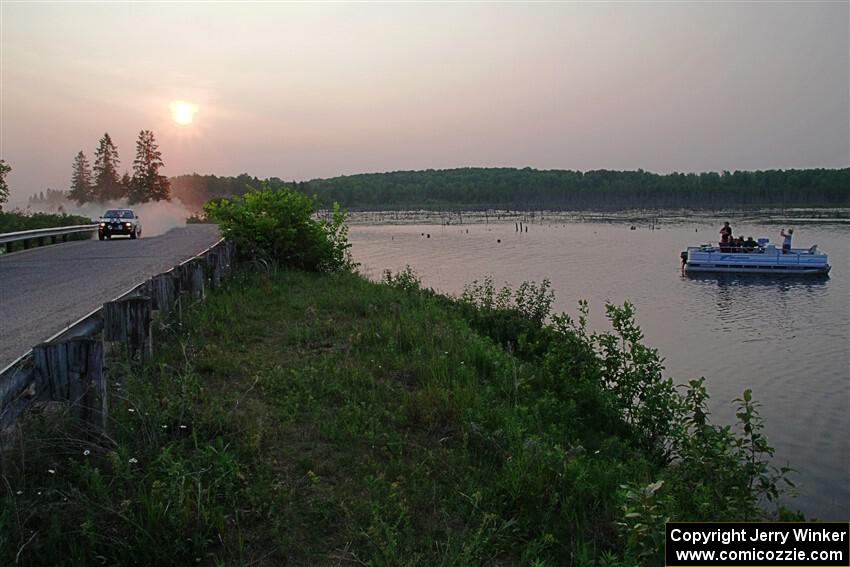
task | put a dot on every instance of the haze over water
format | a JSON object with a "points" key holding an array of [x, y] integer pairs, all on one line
{"points": [[785, 338], [305, 90]]}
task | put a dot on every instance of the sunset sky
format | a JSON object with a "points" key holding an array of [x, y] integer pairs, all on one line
{"points": [[300, 91]]}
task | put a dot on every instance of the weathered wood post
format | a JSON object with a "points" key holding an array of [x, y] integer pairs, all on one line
{"points": [[197, 278], [184, 273], [73, 371], [216, 259], [227, 251], [163, 291], [191, 275], [232, 253], [129, 321]]}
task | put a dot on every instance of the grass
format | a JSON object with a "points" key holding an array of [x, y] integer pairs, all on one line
{"points": [[308, 419]]}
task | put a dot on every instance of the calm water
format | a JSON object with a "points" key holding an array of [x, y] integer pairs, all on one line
{"points": [[787, 339]]}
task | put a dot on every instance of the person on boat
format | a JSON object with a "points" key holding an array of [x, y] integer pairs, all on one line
{"points": [[725, 237], [786, 244], [739, 244], [750, 244]]}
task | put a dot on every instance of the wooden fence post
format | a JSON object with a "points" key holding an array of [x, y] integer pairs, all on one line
{"points": [[231, 253], [164, 289], [129, 321], [214, 268], [184, 277], [191, 281], [73, 371], [197, 277]]}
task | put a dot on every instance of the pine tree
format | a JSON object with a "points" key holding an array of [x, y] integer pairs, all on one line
{"points": [[148, 184], [4, 189], [82, 190], [127, 183], [107, 185]]}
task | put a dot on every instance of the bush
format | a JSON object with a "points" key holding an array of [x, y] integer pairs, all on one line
{"points": [[14, 221], [279, 225], [617, 384], [406, 280]]}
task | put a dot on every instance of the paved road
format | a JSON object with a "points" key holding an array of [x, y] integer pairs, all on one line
{"points": [[43, 290]]}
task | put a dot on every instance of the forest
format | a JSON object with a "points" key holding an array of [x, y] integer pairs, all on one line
{"points": [[508, 188], [533, 189], [601, 189]]}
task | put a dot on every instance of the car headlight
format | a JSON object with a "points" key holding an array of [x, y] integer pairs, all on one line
{"points": [[128, 224], [103, 224]]}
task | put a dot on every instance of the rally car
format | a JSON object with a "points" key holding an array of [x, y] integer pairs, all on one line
{"points": [[119, 222]]}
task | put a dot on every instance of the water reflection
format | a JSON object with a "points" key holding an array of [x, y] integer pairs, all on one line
{"points": [[785, 282], [758, 307]]}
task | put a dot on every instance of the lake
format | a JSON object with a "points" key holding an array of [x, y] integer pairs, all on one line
{"points": [[787, 338]]}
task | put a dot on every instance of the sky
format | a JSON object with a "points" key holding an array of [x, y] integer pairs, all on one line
{"points": [[304, 90]]}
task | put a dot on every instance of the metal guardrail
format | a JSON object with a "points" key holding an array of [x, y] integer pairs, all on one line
{"points": [[21, 382], [40, 234]]}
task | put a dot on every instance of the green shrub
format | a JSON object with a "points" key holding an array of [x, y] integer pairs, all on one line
{"points": [[616, 384], [406, 279], [279, 225], [14, 221], [17, 221]]}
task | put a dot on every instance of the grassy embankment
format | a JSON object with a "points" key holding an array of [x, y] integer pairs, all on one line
{"points": [[321, 419]]}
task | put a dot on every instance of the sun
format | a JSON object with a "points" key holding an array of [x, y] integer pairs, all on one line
{"points": [[183, 112]]}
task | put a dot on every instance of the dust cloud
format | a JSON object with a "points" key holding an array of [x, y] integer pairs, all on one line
{"points": [[157, 217]]}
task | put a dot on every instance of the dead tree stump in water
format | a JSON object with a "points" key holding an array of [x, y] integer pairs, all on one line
{"points": [[72, 371], [129, 321]]}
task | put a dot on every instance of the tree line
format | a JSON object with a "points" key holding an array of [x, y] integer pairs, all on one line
{"points": [[570, 190], [100, 183], [502, 188], [193, 190], [49, 200], [509, 188]]}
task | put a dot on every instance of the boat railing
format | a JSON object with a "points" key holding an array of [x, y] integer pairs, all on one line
{"points": [[770, 250], [754, 249]]}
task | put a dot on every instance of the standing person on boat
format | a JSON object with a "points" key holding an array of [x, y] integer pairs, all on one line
{"points": [[786, 244], [725, 237]]}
